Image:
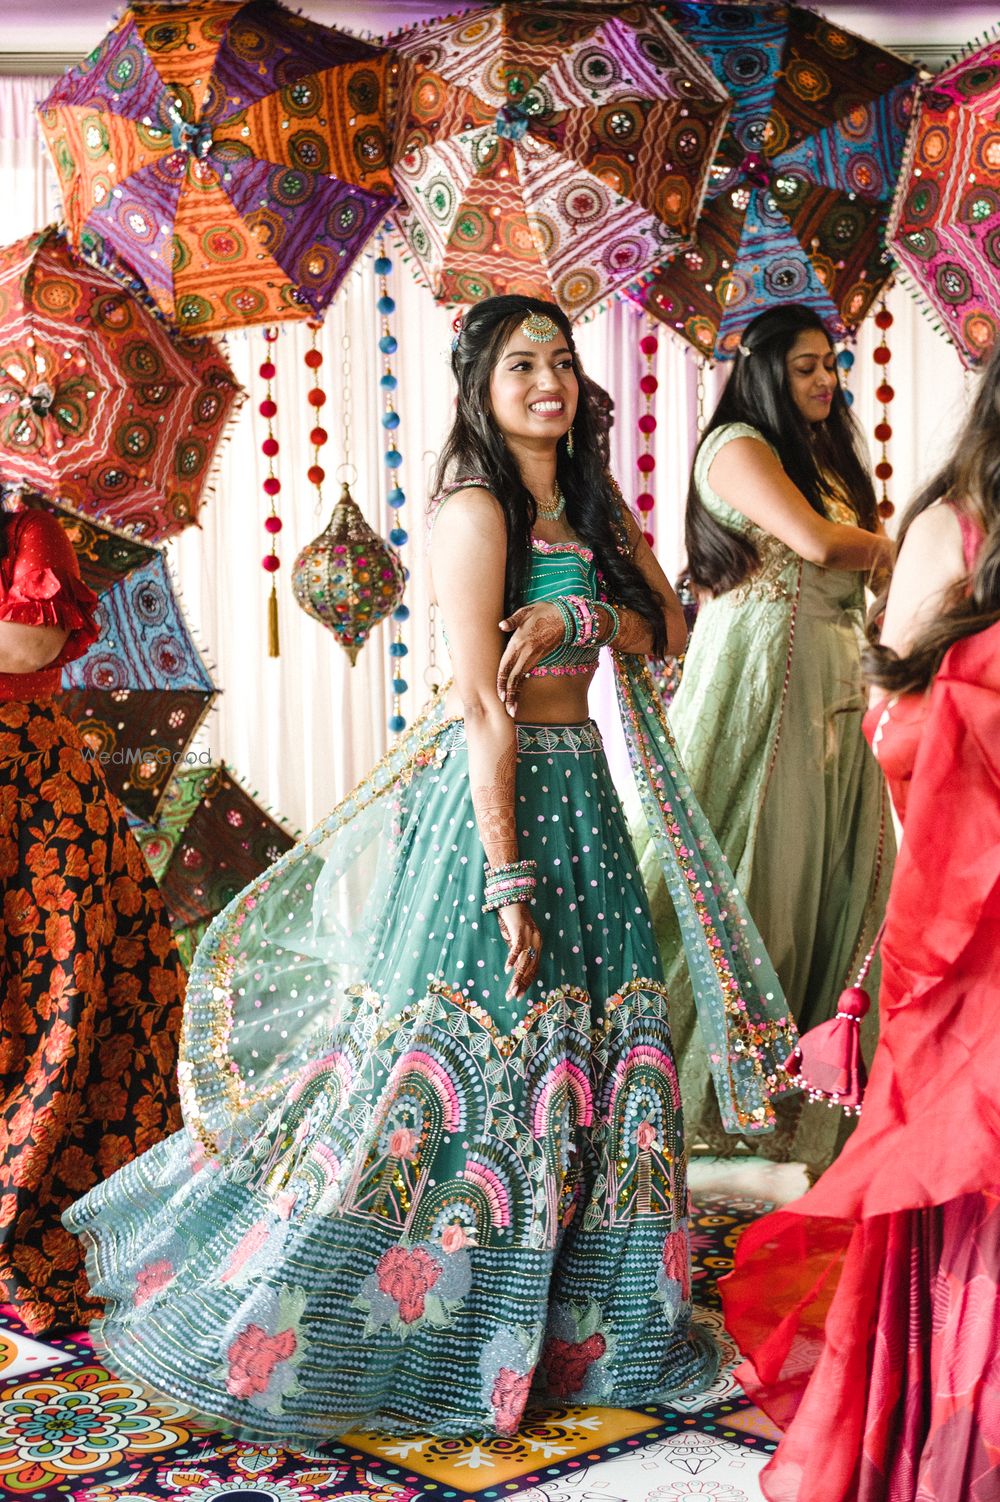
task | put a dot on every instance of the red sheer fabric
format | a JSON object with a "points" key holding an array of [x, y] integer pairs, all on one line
{"points": [[869, 1309], [40, 585]]}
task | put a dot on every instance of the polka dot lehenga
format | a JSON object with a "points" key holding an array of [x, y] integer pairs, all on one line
{"points": [[402, 1201]]}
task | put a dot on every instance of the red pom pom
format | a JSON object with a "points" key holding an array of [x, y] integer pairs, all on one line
{"points": [[313, 359], [883, 432], [884, 394], [854, 1002], [316, 474], [271, 562], [883, 319], [317, 397], [649, 538], [272, 524], [267, 371], [272, 485], [882, 355], [883, 470], [649, 344], [318, 437], [270, 447], [886, 509], [647, 423], [648, 384], [645, 502], [645, 464], [267, 408]]}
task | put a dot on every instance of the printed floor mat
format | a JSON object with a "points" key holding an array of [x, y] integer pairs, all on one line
{"points": [[70, 1429]]}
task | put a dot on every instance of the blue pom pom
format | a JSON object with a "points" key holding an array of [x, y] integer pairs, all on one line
{"points": [[399, 685], [388, 382], [401, 613], [382, 265], [393, 458], [386, 305], [845, 359], [397, 723], [390, 420], [398, 537], [388, 345], [396, 498], [849, 398], [398, 649]]}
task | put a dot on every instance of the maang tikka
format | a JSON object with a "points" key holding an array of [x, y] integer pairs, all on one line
{"points": [[539, 328]]}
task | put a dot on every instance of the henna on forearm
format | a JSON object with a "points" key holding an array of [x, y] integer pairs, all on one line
{"points": [[494, 808], [634, 635]]}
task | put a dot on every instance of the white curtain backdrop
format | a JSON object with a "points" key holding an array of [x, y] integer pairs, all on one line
{"points": [[302, 728]]}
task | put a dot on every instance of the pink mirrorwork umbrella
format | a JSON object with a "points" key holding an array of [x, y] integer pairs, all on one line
{"points": [[549, 150], [101, 406], [946, 224]]}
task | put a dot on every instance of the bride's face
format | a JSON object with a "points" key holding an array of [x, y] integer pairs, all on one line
{"points": [[533, 389]]}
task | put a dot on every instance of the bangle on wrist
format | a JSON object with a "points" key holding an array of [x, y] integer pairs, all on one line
{"points": [[510, 883], [616, 624]]}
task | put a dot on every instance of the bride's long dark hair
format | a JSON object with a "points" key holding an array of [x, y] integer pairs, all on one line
{"points": [[822, 460], [475, 447], [970, 480]]}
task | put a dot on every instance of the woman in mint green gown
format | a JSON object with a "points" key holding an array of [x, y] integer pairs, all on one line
{"points": [[782, 533], [433, 1161]]}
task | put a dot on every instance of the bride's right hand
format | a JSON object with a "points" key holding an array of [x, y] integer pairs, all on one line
{"points": [[524, 947]]}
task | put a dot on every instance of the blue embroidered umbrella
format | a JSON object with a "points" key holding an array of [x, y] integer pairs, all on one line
{"points": [[802, 183]]}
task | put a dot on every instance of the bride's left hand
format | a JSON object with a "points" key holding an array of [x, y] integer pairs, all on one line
{"points": [[536, 630]]}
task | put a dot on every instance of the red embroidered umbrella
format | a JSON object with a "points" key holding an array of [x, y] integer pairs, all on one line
{"points": [[234, 155], [100, 405], [946, 222], [550, 151], [802, 184]]}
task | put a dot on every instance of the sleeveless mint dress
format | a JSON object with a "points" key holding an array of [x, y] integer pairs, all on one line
{"points": [[455, 1204], [767, 720]]}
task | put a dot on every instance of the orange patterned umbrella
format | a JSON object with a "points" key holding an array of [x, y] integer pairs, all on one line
{"points": [[233, 155], [550, 150]]}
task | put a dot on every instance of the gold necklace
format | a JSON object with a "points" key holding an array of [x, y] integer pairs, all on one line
{"points": [[553, 512]]}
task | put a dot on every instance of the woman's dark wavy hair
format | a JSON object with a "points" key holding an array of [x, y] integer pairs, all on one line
{"points": [[971, 480], [823, 459], [475, 446]]}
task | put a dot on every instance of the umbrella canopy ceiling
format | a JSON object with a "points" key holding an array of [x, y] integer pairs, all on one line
{"points": [[550, 150], [802, 184], [100, 405], [235, 156], [140, 692], [946, 223]]}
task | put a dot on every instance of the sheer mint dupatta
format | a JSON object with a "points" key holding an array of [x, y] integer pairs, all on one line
{"points": [[741, 1008]]}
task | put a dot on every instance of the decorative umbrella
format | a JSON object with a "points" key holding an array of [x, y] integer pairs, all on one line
{"points": [[800, 190], [210, 841], [101, 405], [946, 221], [233, 155], [550, 151], [140, 692]]}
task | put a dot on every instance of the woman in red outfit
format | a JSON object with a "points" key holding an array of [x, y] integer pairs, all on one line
{"points": [[90, 982], [869, 1310]]}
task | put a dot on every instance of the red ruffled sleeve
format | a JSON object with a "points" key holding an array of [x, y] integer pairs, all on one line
{"points": [[40, 583]]}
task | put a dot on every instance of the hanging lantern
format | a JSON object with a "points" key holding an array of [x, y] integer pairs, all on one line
{"points": [[347, 578]]}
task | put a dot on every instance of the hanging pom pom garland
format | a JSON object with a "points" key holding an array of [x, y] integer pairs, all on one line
{"points": [[646, 462], [272, 488], [313, 358], [395, 495], [884, 395]]}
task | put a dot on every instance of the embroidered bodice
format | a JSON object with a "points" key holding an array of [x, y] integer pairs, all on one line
{"points": [[562, 568], [557, 568]]}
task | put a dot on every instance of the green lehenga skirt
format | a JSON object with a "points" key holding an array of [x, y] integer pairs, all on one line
{"points": [[453, 1203]]}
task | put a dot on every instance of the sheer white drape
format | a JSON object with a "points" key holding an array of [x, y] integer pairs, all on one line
{"points": [[302, 728]]}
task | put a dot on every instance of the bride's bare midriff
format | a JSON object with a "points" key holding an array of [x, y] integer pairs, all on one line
{"points": [[546, 700]]}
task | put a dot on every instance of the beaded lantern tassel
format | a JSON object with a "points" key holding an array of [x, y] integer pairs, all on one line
{"points": [[883, 395], [395, 495], [646, 462]]}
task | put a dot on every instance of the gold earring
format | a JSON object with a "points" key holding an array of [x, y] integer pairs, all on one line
{"points": [[569, 444]]}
